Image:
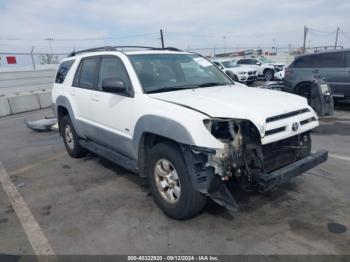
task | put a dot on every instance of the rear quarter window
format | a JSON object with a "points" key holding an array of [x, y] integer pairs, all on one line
{"points": [[63, 70]]}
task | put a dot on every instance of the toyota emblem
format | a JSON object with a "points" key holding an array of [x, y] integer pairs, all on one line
{"points": [[295, 126]]}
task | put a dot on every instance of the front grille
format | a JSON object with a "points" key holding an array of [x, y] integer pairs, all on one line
{"points": [[275, 131], [286, 151], [286, 115]]}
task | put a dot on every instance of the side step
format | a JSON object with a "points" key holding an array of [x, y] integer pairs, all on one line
{"points": [[117, 158]]}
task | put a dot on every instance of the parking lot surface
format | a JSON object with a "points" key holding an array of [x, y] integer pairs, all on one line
{"points": [[91, 206]]}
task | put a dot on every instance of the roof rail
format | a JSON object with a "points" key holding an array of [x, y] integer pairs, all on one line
{"points": [[115, 48]]}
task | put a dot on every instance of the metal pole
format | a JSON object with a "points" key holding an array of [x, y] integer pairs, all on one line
{"points": [[224, 37], [32, 56], [161, 37], [336, 38], [50, 46], [304, 44]]}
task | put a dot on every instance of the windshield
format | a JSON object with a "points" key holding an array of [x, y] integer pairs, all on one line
{"points": [[170, 72], [265, 60], [229, 64]]}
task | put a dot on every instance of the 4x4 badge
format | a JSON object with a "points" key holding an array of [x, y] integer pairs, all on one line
{"points": [[295, 126]]}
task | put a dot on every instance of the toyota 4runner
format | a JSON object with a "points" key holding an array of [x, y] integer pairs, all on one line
{"points": [[175, 118]]}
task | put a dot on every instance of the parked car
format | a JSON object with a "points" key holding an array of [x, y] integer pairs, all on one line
{"points": [[333, 66], [264, 66], [179, 121], [238, 73]]}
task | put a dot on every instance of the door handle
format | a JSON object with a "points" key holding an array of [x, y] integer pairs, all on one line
{"points": [[72, 93], [315, 71]]}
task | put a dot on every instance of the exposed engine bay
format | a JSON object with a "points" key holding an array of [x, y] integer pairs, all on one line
{"points": [[244, 158]]}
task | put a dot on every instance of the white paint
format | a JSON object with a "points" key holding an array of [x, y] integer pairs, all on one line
{"points": [[37, 239], [339, 157]]}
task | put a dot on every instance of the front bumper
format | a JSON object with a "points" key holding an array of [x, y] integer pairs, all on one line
{"points": [[252, 78], [278, 177]]}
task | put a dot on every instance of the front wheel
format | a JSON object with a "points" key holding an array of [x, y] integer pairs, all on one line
{"points": [[269, 74], [170, 183]]}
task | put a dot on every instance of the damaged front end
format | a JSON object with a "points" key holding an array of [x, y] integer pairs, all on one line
{"points": [[246, 162]]}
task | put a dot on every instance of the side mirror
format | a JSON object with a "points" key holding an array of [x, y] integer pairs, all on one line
{"points": [[114, 85], [258, 63]]}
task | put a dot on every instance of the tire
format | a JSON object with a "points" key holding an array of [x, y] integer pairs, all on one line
{"points": [[165, 158], [71, 139], [268, 74]]}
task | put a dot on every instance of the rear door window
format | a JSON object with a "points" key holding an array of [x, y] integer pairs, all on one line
{"points": [[244, 62], [63, 71], [329, 60], [87, 73]]}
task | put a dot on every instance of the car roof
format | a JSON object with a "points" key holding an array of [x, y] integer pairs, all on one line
{"points": [[134, 52], [326, 52]]}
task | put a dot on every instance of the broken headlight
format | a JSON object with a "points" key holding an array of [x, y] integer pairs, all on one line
{"points": [[228, 129], [223, 129]]}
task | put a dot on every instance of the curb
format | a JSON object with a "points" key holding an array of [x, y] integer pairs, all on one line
{"points": [[24, 103], [5, 108]]}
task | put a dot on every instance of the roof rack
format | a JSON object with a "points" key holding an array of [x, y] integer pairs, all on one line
{"points": [[115, 48]]}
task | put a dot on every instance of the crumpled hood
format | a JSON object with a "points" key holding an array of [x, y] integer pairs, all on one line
{"points": [[236, 101]]}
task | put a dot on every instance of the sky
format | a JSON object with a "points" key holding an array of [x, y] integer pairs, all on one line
{"points": [[187, 24]]}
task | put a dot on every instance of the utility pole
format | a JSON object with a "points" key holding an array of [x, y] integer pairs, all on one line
{"points": [[224, 37], [32, 56], [161, 37], [336, 38], [305, 34]]}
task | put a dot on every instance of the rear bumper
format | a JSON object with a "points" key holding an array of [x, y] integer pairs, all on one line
{"points": [[284, 174]]}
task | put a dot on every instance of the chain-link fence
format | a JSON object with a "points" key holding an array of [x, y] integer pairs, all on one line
{"points": [[29, 61]]}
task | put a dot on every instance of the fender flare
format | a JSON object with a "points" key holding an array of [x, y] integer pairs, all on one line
{"points": [[161, 126], [64, 102]]}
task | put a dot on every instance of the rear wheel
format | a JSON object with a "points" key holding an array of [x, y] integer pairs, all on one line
{"points": [[71, 139], [170, 183]]}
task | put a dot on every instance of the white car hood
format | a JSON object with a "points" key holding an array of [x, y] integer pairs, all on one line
{"points": [[236, 101]]}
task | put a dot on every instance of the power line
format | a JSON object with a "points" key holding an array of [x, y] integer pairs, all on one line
{"points": [[232, 36]]}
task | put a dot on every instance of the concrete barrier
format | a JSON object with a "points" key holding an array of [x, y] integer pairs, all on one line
{"points": [[44, 99], [24, 103], [5, 109]]}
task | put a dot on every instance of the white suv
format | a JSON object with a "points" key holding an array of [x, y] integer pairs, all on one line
{"points": [[175, 118], [238, 73], [264, 66]]}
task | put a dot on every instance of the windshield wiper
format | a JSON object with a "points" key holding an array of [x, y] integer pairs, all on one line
{"points": [[208, 84], [169, 88]]}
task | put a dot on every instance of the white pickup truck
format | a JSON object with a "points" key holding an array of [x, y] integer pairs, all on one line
{"points": [[176, 119]]}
